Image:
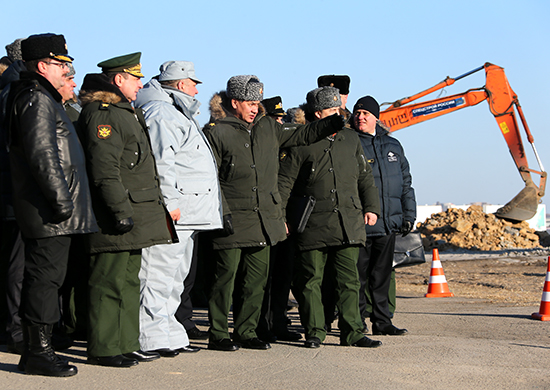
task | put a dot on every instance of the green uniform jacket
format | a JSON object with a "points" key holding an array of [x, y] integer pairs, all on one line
{"points": [[122, 170], [334, 171], [248, 164]]}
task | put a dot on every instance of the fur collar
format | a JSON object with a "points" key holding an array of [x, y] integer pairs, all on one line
{"points": [[97, 88]]}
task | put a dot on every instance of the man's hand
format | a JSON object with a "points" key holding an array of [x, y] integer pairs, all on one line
{"points": [[337, 121], [125, 225], [370, 218], [175, 215], [406, 228]]}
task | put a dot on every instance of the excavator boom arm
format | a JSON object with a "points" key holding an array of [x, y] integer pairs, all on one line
{"points": [[502, 100]]}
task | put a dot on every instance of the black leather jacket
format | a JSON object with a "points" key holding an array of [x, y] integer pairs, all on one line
{"points": [[51, 196]]}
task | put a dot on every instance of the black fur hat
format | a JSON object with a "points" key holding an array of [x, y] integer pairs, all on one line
{"points": [[47, 45]]}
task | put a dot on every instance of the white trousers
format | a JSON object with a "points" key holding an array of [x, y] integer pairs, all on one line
{"points": [[163, 270]]}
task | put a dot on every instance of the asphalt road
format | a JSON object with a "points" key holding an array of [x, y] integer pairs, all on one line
{"points": [[453, 343]]}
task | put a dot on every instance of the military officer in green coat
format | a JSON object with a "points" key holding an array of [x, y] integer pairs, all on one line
{"points": [[128, 204], [246, 146], [334, 171]]}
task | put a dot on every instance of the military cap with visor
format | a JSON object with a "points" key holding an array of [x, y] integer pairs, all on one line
{"points": [[128, 63], [274, 106]]}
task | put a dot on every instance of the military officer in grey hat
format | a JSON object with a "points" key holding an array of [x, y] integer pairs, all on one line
{"points": [[128, 203], [246, 145], [346, 201]]}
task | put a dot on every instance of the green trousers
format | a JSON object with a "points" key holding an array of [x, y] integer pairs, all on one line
{"points": [[113, 322], [240, 277], [309, 269]]}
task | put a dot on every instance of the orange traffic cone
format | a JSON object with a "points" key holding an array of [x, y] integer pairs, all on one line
{"points": [[544, 311], [438, 287]]}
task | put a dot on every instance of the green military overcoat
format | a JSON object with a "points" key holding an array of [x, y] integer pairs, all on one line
{"points": [[248, 164], [335, 172], [122, 170]]}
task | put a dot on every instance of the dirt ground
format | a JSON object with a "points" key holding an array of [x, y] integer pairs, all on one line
{"points": [[506, 281]]}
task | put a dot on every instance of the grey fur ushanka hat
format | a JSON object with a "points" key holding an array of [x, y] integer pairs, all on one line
{"points": [[323, 98], [247, 88]]}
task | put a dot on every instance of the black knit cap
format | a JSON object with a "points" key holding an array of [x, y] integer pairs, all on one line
{"points": [[46, 45], [274, 106], [368, 103], [338, 81]]}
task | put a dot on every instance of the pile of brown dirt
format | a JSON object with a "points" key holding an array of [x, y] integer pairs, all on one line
{"points": [[475, 230]]}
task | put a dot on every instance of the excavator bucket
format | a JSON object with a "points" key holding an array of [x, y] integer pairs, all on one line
{"points": [[523, 206]]}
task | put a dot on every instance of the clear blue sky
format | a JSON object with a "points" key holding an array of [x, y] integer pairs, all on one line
{"points": [[389, 49]]}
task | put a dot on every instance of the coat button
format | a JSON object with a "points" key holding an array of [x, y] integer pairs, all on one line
{"points": [[331, 169], [255, 209], [254, 188], [335, 209], [246, 145], [252, 166], [333, 190]]}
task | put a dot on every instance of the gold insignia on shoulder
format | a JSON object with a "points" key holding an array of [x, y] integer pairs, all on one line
{"points": [[212, 124], [282, 155], [104, 131], [104, 106]]}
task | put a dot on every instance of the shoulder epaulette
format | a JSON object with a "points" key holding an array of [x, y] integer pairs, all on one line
{"points": [[104, 106]]}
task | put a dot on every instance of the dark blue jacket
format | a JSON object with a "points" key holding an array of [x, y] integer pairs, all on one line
{"points": [[393, 179]]}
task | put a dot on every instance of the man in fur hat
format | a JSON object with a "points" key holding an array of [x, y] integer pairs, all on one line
{"points": [[51, 197], [246, 145], [346, 201], [129, 206]]}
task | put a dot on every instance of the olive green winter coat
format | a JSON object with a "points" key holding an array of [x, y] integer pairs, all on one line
{"points": [[122, 170], [335, 172], [248, 164]]}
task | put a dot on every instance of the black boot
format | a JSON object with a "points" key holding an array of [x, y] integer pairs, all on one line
{"points": [[42, 360], [25, 352]]}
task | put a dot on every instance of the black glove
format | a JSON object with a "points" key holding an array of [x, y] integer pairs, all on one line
{"points": [[228, 225], [406, 228], [125, 225], [337, 121], [61, 216]]}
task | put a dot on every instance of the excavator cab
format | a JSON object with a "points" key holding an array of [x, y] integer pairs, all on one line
{"points": [[503, 104]]}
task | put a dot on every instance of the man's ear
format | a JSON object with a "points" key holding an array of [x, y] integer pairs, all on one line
{"points": [[234, 104], [118, 79], [180, 85], [317, 114], [41, 67]]}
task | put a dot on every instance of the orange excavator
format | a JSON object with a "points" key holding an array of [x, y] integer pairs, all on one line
{"points": [[503, 104]]}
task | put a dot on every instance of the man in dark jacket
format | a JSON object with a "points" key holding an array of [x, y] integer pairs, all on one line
{"points": [[246, 146], [393, 179], [335, 173], [51, 196], [129, 207]]}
